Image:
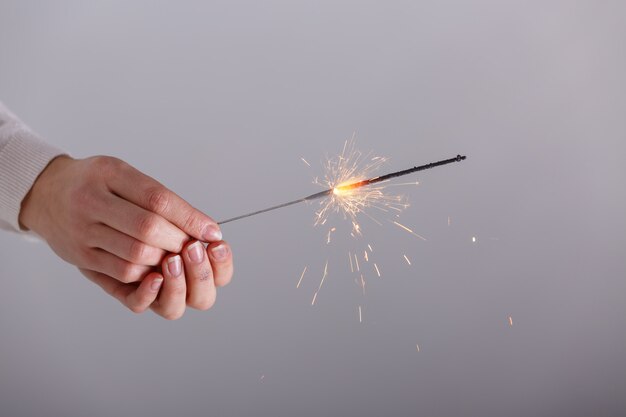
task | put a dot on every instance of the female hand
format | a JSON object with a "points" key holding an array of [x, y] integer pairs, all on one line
{"points": [[110, 220]]}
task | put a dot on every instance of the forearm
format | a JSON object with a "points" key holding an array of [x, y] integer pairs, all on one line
{"points": [[23, 156]]}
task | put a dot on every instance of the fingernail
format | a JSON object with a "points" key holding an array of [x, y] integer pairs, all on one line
{"points": [[156, 284], [212, 233], [174, 266], [220, 252], [196, 252]]}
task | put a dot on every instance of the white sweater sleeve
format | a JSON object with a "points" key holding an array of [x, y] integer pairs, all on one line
{"points": [[23, 156]]}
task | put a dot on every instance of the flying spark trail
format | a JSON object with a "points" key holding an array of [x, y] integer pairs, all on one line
{"points": [[343, 189], [408, 230], [321, 283], [301, 276]]}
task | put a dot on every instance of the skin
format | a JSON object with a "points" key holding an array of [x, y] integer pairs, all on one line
{"points": [[129, 234]]}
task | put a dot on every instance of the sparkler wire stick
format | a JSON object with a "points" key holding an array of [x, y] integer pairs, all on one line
{"points": [[357, 184]]}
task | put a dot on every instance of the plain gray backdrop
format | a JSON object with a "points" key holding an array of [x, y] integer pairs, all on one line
{"points": [[219, 100]]}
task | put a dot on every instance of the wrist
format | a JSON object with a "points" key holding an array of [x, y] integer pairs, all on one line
{"points": [[33, 212]]}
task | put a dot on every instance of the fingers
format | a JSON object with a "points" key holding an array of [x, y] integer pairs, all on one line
{"points": [[192, 282], [112, 266], [136, 297], [171, 301], [128, 248], [142, 224], [201, 292], [221, 258], [149, 194]]}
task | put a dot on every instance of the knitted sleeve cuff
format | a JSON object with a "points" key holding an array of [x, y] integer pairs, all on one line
{"points": [[22, 159]]}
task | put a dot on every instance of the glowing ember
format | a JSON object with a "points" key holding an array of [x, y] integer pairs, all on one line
{"points": [[346, 175]]}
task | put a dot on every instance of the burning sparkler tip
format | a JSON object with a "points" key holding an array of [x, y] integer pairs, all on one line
{"points": [[343, 193]]}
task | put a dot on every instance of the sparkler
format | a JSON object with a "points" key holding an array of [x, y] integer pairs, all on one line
{"points": [[350, 186], [343, 186]]}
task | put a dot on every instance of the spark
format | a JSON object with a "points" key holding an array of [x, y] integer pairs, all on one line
{"points": [[408, 230], [473, 239], [356, 261], [360, 315], [365, 256], [329, 234], [323, 276], [351, 265], [301, 276], [418, 347], [407, 260], [305, 161], [321, 283], [370, 248], [510, 321], [377, 270], [363, 284]]}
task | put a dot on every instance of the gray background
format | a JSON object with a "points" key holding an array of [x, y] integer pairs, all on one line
{"points": [[219, 100]]}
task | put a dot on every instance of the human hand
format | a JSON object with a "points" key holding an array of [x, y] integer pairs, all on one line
{"points": [[107, 218]]}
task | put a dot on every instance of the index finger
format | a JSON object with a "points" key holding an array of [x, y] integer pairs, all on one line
{"points": [[146, 192]]}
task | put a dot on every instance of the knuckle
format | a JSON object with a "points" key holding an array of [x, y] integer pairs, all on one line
{"points": [[147, 225], [128, 273], [173, 314], [136, 308], [225, 280], [205, 303], [86, 256], [179, 291], [192, 223], [105, 165], [205, 274], [158, 199], [137, 251]]}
